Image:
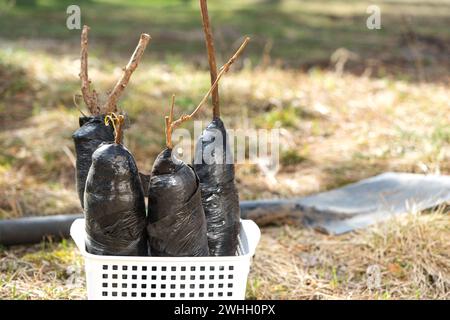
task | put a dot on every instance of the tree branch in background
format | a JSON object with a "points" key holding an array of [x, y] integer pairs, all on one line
{"points": [[209, 40], [111, 103]]}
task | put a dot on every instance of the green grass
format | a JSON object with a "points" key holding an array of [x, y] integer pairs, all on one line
{"points": [[291, 157], [301, 33]]}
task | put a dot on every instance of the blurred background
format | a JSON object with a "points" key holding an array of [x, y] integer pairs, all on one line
{"points": [[350, 103]]}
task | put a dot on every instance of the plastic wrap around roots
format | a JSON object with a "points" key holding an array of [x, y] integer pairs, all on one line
{"points": [[114, 204], [87, 138], [219, 194], [177, 225]]}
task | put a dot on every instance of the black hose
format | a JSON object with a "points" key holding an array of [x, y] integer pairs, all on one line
{"points": [[35, 229]]}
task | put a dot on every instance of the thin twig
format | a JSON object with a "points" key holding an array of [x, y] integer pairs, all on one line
{"points": [[110, 105], [223, 70], [90, 98], [209, 40], [171, 125], [168, 133], [75, 96], [168, 121], [117, 122]]}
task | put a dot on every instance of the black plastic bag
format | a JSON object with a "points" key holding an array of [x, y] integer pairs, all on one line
{"points": [[177, 225], [114, 204], [87, 138], [214, 166]]}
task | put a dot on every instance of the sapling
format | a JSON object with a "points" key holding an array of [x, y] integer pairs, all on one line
{"points": [[213, 163], [93, 131], [177, 224]]}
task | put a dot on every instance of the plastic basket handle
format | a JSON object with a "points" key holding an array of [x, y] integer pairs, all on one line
{"points": [[77, 234], [253, 234]]}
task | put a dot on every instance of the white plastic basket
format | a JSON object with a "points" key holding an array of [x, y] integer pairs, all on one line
{"points": [[149, 278]]}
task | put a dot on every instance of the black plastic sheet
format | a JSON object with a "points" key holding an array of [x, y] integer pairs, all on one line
{"points": [[215, 168], [87, 138], [177, 225], [114, 204]]}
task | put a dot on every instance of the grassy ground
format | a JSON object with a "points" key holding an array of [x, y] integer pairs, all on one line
{"points": [[387, 110], [406, 258]]}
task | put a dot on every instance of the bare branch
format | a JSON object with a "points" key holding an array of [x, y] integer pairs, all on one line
{"points": [[168, 133], [111, 103], [223, 70], [209, 40], [168, 121], [89, 98]]}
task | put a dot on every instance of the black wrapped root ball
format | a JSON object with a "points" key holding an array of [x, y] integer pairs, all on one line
{"points": [[219, 193], [177, 225], [114, 204], [87, 138]]}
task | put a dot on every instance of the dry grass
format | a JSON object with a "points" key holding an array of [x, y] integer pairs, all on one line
{"points": [[335, 128], [45, 271], [410, 253]]}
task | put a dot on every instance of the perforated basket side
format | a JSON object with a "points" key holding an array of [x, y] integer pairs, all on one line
{"points": [[168, 281]]}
